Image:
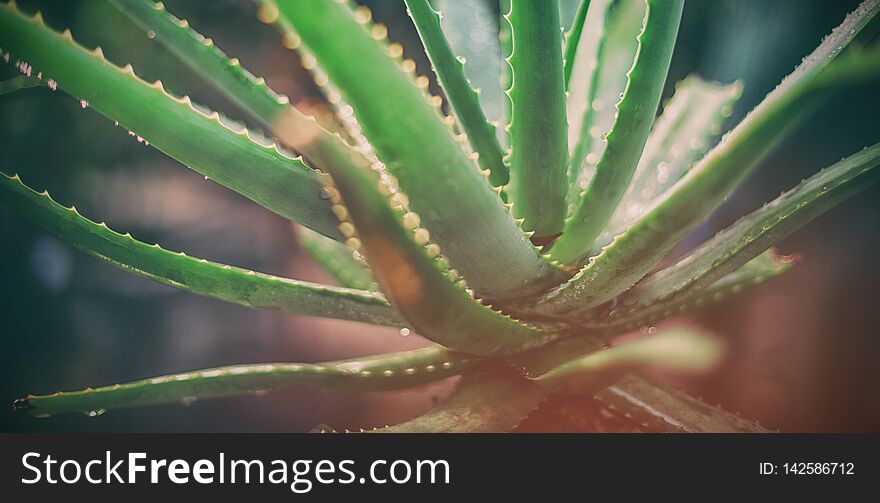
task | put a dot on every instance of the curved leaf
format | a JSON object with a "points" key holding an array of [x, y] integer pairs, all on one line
{"points": [[410, 137], [371, 373], [681, 135], [761, 229], [605, 54], [760, 269], [487, 400], [193, 274], [205, 58], [626, 140], [678, 349], [195, 138], [410, 268], [633, 254], [465, 102], [661, 408]]}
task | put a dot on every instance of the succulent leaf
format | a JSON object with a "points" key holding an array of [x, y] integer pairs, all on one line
{"points": [[537, 125], [684, 131], [463, 99], [757, 271], [626, 140], [761, 229], [604, 55], [471, 28], [199, 140], [573, 38], [679, 349], [205, 58], [193, 274], [488, 399], [411, 270], [408, 132], [633, 254], [660, 407], [337, 259], [382, 372]]}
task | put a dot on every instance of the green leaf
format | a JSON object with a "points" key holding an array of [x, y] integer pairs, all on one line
{"points": [[193, 274], [371, 373], [471, 28], [661, 408], [652, 403], [291, 126], [633, 254], [630, 316], [537, 125], [410, 268], [410, 137], [202, 56], [689, 123], [337, 259], [18, 83], [465, 102], [573, 38], [199, 140], [626, 141], [677, 349], [761, 229], [489, 399], [599, 76]]}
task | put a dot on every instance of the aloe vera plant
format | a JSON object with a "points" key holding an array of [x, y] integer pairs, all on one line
{"points": [[518, 252]]}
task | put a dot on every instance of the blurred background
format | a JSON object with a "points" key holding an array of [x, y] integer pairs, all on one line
{"points": [[804, 346]]}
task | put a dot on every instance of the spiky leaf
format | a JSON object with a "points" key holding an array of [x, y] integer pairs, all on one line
{"points": [[625, 142], [193, 274], [463, 99], [489, 399], [199, 140], [371, 373], [537, 126], [410, 137], [761, 229], [632, 255]]}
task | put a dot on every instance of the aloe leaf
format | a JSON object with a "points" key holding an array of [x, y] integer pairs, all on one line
{"points": [[371, 373], [471, 28], [687, 203], [655, 405], [681, 135], [629, 316], [661, 408], [193, 274], [251, 93], [537, 125], [410, 137], [584, 56], [411, 269], [464, 100], [195, 138], [604, 55], [204, 57], [626, 141], [761, 229], [487, 400], [679, 349], [573, 38], [19, 83], [348, 267]]}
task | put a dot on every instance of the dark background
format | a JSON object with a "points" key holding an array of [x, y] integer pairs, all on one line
{"points": [[805, 345]]}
